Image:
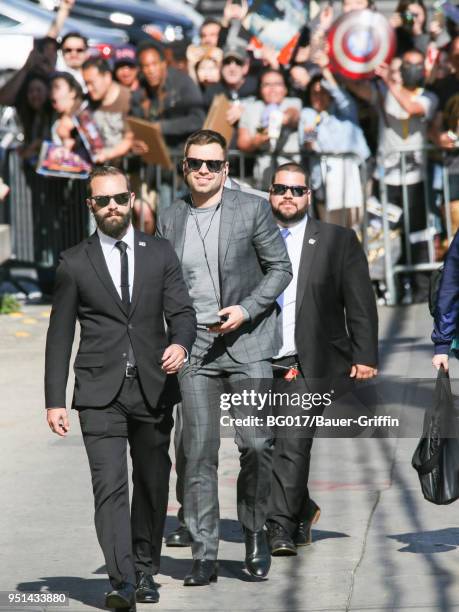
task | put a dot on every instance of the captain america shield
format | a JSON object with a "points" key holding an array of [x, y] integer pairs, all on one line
{"points": [[359, 41]]}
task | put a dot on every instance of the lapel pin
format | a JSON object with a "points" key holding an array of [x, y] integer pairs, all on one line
{"points": [[312, 241], [142, 244]]}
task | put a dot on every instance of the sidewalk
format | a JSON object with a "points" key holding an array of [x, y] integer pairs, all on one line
{"points": [[378, 544]]}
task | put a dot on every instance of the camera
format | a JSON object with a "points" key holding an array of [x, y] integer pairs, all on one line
{"points": [[408, 19]]}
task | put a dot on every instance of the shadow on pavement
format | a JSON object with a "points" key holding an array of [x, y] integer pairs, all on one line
{"points": [[89, 592], [428, 542]]}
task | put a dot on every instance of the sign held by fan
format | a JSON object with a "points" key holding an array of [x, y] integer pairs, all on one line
{"points": [[360, 41]]}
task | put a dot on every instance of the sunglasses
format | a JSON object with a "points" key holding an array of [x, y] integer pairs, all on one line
{"points": [[213, 165], [296, 190], [104, 200], [232, 60], [70, 50]]}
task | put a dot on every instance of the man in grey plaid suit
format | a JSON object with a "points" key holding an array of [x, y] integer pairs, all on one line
{"points": [[235, 266]]}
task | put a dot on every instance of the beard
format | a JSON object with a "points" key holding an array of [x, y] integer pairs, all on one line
{"points": [[292, 217], [114, 225]]}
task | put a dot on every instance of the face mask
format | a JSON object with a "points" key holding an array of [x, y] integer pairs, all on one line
{"points": [[412, 75]]}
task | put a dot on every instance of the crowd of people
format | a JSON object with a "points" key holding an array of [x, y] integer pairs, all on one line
{"points": [[298, 111]]}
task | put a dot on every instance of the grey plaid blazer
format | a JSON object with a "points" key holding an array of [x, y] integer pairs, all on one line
{"points": [[253, 263]]}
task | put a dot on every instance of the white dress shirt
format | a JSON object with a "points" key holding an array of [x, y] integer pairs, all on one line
{"points": [[113, 257], [294, 244]]}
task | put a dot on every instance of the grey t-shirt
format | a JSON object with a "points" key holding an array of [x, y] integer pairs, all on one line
{"points": [[201, 276]]}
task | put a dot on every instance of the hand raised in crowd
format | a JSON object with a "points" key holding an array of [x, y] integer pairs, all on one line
{"points": [[173, 358], [396, 20], [299, 77], [383, 71], [260, 139], [101, 157], [269, 56], [66, 5], [139, 147], [321, 58], [441, 360], [58, 421], [291, 117], [360, 372], [444, 140], [303, 54], [234, 113], [326, 18], [235, 11], [435, 28]]}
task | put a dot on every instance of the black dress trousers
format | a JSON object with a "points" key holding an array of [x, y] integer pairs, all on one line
{"points": [[130, 540], [290, 502]]}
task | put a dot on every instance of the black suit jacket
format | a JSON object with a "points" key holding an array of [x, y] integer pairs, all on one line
{"points": [[336, 317], [85, 291]]}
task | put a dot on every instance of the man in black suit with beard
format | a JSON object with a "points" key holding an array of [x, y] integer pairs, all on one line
{"points": [[330, 336], [121, 285]]}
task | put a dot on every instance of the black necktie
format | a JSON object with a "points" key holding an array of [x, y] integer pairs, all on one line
{"points": [[125, 297]]}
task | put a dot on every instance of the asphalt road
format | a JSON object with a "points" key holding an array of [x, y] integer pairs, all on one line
{"points": [[378, 544]]}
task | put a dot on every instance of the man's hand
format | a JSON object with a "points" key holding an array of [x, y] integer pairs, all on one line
{"points": [[101, 157], [58, 421], [260, 139], [139, 147], [291, 117], [441, 360], [234, 113], [235, 319], [66, 6], [359, 371], [444, 140], [383, 72], [234, 11], [173, 358], [326, 18]]}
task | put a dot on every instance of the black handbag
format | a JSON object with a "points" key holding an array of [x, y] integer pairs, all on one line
{"points": [[436, 458]]}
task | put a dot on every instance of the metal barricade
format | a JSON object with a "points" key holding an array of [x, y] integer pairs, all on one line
{"points": [[410, 237], [47, 215]]}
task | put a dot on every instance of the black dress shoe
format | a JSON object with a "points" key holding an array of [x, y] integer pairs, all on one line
{"points": [[147, 589], [203, 572], [303, 535], [122, 598], [181, 537], [257, 554], [280, 543]]}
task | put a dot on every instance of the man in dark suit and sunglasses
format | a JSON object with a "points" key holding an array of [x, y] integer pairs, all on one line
{"points": [[329, 333], [235, 265], [121, 285]]}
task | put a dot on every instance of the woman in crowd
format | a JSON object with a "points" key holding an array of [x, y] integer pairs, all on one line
{"points": [[410, 23], [204, 65], [35, 115], [328, 124], [66, 99]]}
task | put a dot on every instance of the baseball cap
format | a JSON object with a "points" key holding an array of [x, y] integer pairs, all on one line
{"points": [[125, 55], [236, 51]]}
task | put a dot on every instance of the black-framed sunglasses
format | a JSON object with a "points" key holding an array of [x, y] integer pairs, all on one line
{"points": [[104, 200], [213, 165], [297, 191], [233, 60], [67, 50]]}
